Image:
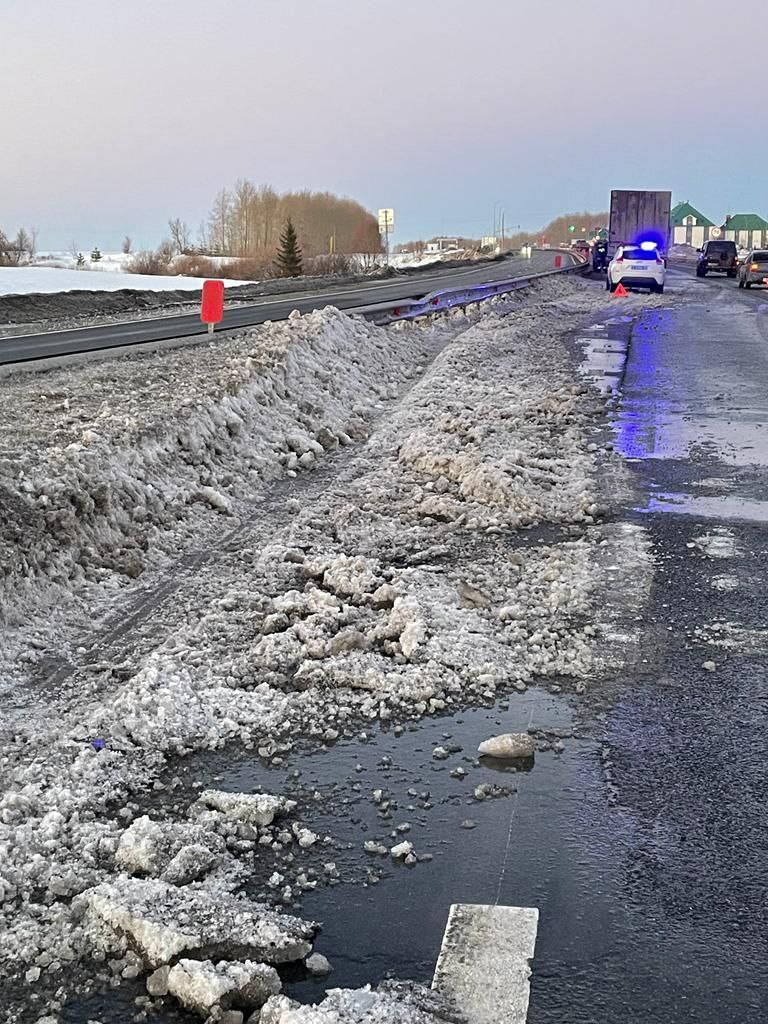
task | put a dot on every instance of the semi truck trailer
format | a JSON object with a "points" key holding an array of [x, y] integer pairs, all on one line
{"points": [[637, 217]]}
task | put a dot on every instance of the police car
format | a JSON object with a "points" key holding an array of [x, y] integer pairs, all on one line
{"points": [[637, 266]]}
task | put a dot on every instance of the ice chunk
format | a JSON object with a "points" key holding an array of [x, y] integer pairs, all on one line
{"points": [[509, 745], [215, 499], [255, 808], [391, 1003], [162, 922], [318, 964], [180, 853], [201, 985], [402, 849]]}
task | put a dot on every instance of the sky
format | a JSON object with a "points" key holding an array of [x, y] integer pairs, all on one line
{"points": [[118, 115]]}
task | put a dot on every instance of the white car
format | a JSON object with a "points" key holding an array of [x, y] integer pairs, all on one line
{"points": [[637, 266]]}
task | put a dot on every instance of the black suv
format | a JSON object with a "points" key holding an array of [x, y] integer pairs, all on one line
{"points": [[717, 255]]}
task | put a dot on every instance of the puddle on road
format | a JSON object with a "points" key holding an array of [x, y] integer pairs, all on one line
{"points": [[520, 850], [720, 507], [673, 409]]}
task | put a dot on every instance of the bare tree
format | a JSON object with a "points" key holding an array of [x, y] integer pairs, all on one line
{"points": [[180, 235], [25, 246], [14, 251], [219, 223], [127, 244], [166, 250], [5, 245]]}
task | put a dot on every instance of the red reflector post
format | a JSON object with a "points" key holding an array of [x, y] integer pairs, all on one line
{"points": [[212, 306], [558, 261]]}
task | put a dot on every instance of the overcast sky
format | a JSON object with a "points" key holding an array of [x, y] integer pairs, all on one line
{"points": [[117, 114]]}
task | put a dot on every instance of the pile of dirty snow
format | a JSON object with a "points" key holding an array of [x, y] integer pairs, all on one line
{"points": [[456, 553]]}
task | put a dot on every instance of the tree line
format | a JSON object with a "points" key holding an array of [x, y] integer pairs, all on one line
{"points": [[555, 233], [247, 220]]}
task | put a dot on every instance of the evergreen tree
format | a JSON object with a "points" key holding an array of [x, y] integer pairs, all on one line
{"points": [[288, 262], [95, 254]]}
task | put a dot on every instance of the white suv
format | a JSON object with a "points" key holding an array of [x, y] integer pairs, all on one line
{"points": [[637, 266]]}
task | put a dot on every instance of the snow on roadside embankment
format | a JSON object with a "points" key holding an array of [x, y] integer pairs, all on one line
{"points": [[107, 468], [412, 586], [48, 280]]}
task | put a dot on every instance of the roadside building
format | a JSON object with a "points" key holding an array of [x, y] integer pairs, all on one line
{"points": [[690, 227], [747, 230], [442, 245]]}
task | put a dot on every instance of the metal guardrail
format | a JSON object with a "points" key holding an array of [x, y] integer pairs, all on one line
{"points": [[447, 298]]}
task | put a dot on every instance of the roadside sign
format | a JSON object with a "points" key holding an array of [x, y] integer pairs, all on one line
{"points": [[386, 221], [386, 227], [715, 233], [212, 305]]}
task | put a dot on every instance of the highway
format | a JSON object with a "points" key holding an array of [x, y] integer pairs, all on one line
{"points": [[52, 344]]}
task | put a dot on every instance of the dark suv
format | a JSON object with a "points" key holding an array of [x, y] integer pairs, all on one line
{"points": [[717, 255]]}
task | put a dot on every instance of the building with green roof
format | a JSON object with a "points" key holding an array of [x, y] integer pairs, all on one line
{"points": [[690, 226], [747, 230]]}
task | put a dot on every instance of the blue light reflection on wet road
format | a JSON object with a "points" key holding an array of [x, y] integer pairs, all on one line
{"points": [[642, 416]]}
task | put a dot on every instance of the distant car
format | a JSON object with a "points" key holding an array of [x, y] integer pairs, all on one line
{"points": [[754, 269], [637, 266], [719, 256], [582, 247]]}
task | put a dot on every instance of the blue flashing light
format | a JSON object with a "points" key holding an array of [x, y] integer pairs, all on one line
{"points": [[650, 238]]}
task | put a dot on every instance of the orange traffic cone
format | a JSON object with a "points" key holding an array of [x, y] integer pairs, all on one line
{"points": [[620, 291]]}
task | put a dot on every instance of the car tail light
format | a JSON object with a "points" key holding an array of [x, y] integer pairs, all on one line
{"points": [[754, 266], [620, 259], [659, 259]]}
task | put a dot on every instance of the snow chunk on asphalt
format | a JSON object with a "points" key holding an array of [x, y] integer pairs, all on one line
{"points": [[180, 853], [508, 745], [391, 1003], [255, 808], [201, 985], [402, 849], [162, 922], [318, 964]]}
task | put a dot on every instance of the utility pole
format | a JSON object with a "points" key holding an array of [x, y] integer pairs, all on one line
{"points": [[502, 233], [495, 222]]}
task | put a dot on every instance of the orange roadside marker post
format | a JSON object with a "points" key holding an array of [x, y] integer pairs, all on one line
{"points": [[212, 305], [620, 292]]}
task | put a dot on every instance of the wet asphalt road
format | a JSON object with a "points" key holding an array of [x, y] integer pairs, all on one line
{"points": [[677, 911], [645, 843]]}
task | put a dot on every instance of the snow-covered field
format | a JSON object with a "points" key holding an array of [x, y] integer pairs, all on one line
{"points": [[304, 526], [46, 280]]}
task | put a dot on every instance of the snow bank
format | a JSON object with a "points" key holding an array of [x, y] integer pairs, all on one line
{"points": [[407, 582], [46, 280], [112, 466]]}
